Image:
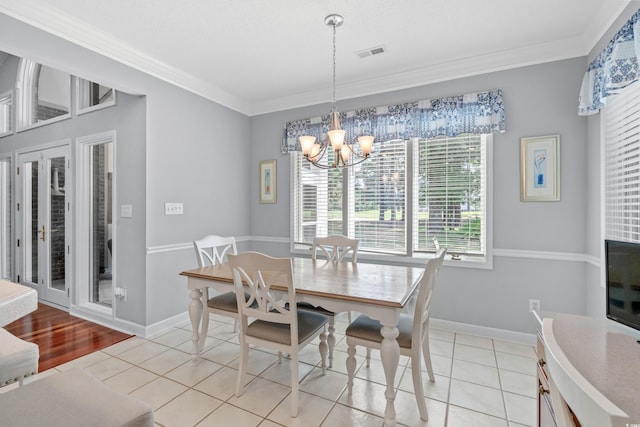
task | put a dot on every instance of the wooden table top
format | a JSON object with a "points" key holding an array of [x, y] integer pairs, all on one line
{"points": [[385, 285]]}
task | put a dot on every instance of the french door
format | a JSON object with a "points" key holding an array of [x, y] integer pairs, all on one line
{"points": [[44, 225]]}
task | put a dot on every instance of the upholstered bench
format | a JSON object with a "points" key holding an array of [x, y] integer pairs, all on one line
{"points": [[72, 398], [18, 358]]}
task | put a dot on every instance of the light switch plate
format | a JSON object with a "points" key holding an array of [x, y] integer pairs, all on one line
{"points": [[126, 211], [173, 208]]}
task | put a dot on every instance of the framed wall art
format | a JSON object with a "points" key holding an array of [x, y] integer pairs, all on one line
{"points": [[267, 181], [540, 168]]}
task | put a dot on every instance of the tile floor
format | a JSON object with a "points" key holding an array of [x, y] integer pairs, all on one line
{"points": [[479, 382]]}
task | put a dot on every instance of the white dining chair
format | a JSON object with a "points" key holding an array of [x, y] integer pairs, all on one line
{"points": [[273, 324], [213, 250], [334, 248], [413, 338]]}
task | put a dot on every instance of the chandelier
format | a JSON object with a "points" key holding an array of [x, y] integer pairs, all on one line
{"points": [[344, 152]]}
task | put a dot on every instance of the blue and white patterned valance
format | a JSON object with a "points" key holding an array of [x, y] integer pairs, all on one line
{"points": [[615, 68], [474, 113]]}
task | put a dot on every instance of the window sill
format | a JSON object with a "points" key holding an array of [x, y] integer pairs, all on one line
{"points": [[475, 262]]}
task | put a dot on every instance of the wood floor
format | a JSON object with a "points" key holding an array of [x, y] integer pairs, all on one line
{"points": [[62, 337]]}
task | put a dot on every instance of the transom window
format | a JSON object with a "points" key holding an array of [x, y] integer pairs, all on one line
{"points": [[410, 196]]}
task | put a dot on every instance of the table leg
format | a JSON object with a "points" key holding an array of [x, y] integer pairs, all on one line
{"points": [[195, 314], [204, 327], [390, 355]]}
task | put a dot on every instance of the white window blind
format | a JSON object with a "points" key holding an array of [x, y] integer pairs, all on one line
{"points": [[397, 202], [378, 200], [622, 165], [449, 194]]}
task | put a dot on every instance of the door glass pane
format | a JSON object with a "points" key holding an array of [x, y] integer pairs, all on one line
{"points": [[57, 225], [32, 233], [6, 253], [101, 231]]}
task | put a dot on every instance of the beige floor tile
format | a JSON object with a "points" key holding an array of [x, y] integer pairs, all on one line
{"points": [[201, 391], [221, 384], [108, 368], [329, 386], [127, 381], [475, 373], [84, 361], [458, 416], [367, 396], [515, 382], [477, 397], [441, 364], [125, 345], [474, 341], [260, 396], [187, 409], [311, 411], [344, 416], [473, 354], [438, 390], [173, 338], [441, 334], [407, 411], [164, 362], [228, 415], [281, 372], [442, 348], [193, 371], [142, 352], [158, 392], [521, 409], [513, 362], [259, 360], [514, 348], [223, 353], [376, 372]]}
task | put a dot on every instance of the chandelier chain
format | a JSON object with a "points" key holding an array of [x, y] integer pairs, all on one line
{"points": [[333, 99]]}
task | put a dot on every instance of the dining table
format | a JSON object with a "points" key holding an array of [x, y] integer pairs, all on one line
{"points": [[380, 291]]}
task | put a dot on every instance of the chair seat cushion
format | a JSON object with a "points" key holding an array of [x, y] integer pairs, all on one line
{"points": [[368, 329], [225, 302], [309, 323], [310, 307], [18, 358], [72, 398]]}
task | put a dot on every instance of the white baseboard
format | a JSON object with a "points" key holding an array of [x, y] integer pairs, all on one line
{"points": [[484, 331], [164, 325]]}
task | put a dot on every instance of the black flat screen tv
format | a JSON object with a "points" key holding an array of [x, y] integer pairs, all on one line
{"points": [[623, 282]]}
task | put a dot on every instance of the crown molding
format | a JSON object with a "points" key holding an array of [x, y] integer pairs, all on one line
{"points": [[452, 69], [54, 22], [59, 24]]}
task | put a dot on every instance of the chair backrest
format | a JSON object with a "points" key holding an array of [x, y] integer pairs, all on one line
{"points": [[335, 247], [425, 292], [212, 250], [254, 274]]}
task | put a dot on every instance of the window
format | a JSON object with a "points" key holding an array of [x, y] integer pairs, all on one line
{"points": [[92, 96], [6, 118], [409, 193], [43, 93], [621, 123]]}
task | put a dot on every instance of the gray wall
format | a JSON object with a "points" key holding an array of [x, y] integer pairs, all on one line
{"points": [[539, 100], [193, 152], [596, 297]]}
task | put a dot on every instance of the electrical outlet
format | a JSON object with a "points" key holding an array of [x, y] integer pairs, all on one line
{"points": [[121, 293], [534, 305]]}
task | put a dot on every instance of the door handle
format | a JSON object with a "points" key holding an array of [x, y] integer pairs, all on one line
{"points": [[44, 233]]}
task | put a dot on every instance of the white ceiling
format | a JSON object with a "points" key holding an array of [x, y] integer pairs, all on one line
{"points": [[257, 56]]}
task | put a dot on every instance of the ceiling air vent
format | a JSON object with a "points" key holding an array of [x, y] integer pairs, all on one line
{"points": [[370, 52]]}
